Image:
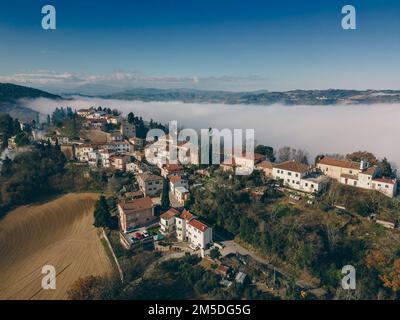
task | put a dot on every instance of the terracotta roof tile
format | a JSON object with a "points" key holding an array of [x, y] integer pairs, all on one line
{"points": [[169, 214], [293, 166], [198, 225], [173, 167], [175, 179], [137, 205], [186, 215], [265, 165], [339, 163]]}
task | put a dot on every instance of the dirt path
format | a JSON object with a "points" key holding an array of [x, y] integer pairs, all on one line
{"points": [[58, 233]]}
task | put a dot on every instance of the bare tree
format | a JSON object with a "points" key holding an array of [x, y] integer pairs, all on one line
{"points": [[287, 153], [284, 154]]}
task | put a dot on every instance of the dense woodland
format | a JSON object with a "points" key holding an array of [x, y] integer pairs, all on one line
{"points": [[311, 242], [174, 279]]}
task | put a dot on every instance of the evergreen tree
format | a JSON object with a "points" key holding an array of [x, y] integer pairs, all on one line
{"points": [[22, 139], [386, 168], [165, 203], [131, 118], [266, 151], [6, 169], [210, 153], [102, 216], [4, 144]]}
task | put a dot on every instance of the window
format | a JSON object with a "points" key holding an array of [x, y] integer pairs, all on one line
{"points": [[289, 173]]}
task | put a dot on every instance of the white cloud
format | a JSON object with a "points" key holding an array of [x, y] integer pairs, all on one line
{"points": [[318, 129]]}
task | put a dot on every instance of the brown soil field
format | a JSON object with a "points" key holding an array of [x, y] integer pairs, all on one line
{"points": [[58, 233]]}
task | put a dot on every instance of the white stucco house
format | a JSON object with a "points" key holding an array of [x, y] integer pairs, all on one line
{"points": [[300, 176], [357, 174], [187, 228]]}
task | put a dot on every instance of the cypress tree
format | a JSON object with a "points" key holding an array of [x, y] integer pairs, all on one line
{"points": [[102, 216], [165, 203]]}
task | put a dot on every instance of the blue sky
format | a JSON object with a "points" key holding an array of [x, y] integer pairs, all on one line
{"points": [[230, 45]]}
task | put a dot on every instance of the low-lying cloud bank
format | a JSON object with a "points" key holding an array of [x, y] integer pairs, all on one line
{"points": [[317, 129]]}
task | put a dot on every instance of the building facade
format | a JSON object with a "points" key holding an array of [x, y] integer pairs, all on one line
{"points": [[135, 213], [300, 177], [150, 184], [357, 174], [187, 228]]}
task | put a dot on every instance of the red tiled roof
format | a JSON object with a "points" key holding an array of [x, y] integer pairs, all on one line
{"points": [[169, 214], [175, 179], [198, 225], [173, 167], [186, 215], [339, 163], [293, 166], [265, 165], [370, 171], [137, 205]]}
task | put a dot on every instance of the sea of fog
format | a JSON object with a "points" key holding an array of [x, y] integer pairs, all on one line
{"points": [[317, 129]]}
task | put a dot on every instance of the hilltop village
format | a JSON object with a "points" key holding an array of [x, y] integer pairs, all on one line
{"points": [[196, 208]]}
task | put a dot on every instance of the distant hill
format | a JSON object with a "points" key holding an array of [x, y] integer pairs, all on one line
{"points": [[11, 94], [184, 95], [295, 97]]}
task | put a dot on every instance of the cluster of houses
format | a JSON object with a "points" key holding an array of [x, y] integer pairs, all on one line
{"points": [[114, 153], [122, 150], [357, 174], [316, 178], [183, 226], [97, 119]]}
